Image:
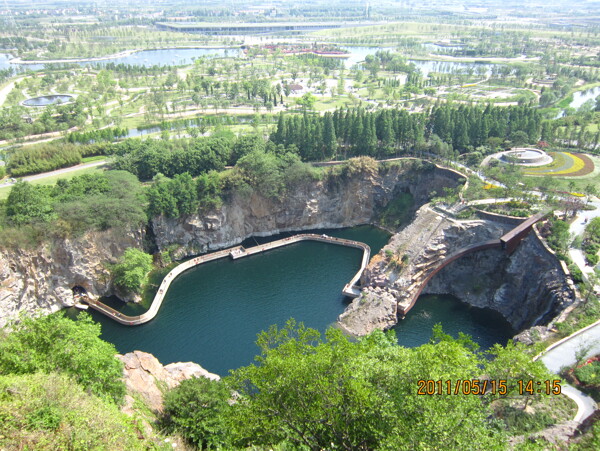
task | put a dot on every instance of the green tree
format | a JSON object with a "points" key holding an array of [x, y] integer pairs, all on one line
{"points": [[29, 203], [338, 394], [209, 188], [198, 410], [514, 363], [132, 271], [560, 237], [307, 101], [56, 343]]}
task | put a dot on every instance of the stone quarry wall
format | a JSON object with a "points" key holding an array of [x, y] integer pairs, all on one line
{"points": [[527, 288], [41, 279], [331, 203]]}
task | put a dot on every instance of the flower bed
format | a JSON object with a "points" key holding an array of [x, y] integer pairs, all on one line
{"points": [[565, 164], [586, 377]]}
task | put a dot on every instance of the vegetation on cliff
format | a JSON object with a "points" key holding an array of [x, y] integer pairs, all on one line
{"points": [[55, 343], [308, 393], [33, 213], [131, 273], [61, 387]]}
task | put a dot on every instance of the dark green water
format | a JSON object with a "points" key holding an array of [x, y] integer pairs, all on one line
{"points": [[212, 313], [485, 326]]}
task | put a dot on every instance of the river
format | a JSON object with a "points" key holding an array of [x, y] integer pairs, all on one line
{"points": [[212, 314], [181, 57]]}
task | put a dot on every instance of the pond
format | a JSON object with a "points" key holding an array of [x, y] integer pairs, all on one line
{"points": [[48, 100], [147, 58], [579, 99], [212, 314]]}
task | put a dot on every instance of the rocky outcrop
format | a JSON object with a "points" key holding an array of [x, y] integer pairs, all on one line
{"points": [[527, 288], [41, 279], [337, 201], [145, 375], [380, 314]]}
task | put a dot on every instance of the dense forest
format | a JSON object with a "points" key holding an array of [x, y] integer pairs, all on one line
{"points": [[391, 132]]}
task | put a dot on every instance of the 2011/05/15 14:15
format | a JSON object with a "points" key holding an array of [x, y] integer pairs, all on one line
{"points": [[481, 387]]}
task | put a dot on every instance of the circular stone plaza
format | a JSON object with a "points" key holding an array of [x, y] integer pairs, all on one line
{"points": [[524, 156]]}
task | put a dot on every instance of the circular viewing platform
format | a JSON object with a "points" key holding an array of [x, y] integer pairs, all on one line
{"points": [[525, 156]]}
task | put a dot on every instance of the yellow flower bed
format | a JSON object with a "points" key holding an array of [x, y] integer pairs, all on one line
{"points": [[578, 165], [571, 164], [490, 186]]}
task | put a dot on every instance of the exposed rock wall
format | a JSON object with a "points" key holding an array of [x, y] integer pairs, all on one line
{"points": [[145, 375], [526, 288], [41, 279], [331, 203]]}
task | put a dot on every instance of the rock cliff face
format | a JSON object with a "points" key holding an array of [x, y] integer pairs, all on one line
{"points": [[144, 374], [41, 279], [526, 288], [332, 203]]}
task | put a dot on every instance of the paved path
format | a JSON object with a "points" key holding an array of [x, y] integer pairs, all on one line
{"points": [[57, 172], [585, 404], [564, 353]]}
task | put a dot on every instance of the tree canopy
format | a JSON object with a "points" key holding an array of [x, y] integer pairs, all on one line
{"points": [[132, 271], [56, 343], [306, 392]]}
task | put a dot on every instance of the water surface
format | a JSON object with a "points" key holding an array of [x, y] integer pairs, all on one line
{"points": [[212, 314]]}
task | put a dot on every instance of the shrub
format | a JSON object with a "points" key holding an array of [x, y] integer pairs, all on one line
{"points": [[52, 411], [197, 409], [576, 273], [56, 343], [589, 374], [592, 258]]}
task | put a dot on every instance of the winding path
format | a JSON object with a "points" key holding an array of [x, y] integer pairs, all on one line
{"points": [[57, 172], [565, 353], [235, 252]]}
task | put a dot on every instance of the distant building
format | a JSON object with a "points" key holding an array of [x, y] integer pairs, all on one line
{"points": [[251, 28]]}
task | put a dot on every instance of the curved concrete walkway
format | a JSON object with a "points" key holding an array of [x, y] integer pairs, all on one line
{"points": [[235, 252], [564, 353]]}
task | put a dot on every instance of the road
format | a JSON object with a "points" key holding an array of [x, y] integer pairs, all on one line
{"points": [[582, 344], [6, 90], [58, 172]]}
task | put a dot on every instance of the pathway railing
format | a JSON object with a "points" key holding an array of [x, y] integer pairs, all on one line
{"points": [[236, 252]]}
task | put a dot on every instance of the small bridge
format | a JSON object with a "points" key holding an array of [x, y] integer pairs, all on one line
{"points": [[509, 242], [350, 289]]}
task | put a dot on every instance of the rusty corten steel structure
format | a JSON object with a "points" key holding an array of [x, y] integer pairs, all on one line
{"points": [[508, 242]]}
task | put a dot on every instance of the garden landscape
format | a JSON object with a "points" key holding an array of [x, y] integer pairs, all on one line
{"points": [[299, 226]]}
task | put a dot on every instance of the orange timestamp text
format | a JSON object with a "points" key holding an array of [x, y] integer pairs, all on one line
{"points": [[499, 387]]}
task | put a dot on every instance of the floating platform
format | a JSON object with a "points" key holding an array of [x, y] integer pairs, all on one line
{"points": [[350, 289]]}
